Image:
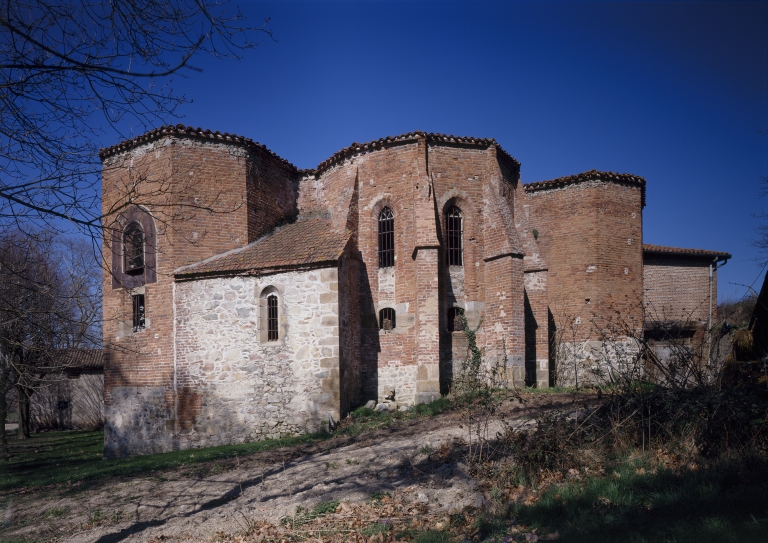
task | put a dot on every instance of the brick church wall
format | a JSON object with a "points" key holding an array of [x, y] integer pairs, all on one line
{"points": [[590, 234], [211, 179]]}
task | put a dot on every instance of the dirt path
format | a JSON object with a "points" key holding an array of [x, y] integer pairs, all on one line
{"points": [[410, 461]]}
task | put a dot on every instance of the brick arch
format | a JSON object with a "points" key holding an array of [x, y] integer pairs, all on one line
{"points": [[144, 218]]}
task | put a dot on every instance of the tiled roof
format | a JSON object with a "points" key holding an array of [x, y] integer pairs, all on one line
{"points": [[408, 137], [660, 249], [181, 130], [591, 175], [82, 359], [302, 243]]}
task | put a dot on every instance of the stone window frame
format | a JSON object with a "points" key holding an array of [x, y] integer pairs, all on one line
{"points": [[263, 326], [121, 279]]}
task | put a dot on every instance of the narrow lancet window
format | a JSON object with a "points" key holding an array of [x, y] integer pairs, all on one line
{"points": [[387, 319], [386, 238], [271, 317], [454, 230], [133, 249]]}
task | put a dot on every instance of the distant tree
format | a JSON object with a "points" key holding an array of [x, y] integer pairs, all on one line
{"points": [[48, 301], [761, 242]]}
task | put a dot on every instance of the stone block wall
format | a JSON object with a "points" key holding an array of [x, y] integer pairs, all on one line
{"points": [[244, 388]]}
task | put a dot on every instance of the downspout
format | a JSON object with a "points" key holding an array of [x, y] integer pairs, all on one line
{"points": [[712, 268]]}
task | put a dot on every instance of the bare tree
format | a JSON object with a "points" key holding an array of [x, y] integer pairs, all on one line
{"points": [[47, 303], [72, 72]]}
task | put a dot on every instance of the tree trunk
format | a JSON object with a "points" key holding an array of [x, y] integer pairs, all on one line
{"points": [[3, 405], [23, 413]]}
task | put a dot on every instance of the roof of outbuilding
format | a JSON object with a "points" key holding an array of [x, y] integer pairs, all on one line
{"points": [[189, 131], [591, 175], [79, 358], [661, 249], [303, 243]]}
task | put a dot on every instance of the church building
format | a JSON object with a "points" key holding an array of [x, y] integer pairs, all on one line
{"points": [[248, 299]]}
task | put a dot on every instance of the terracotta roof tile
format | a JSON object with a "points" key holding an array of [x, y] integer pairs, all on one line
{"points": [[181, 130], [591, 175], [431, 137], [302, 243], [661, 249], [84, 359]]}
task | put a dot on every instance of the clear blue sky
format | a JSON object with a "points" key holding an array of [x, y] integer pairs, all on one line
{"points": [[674, 92]]}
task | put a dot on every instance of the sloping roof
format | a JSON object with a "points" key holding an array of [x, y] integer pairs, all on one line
{"points": [[312, 241], [81, 359], [181, 130], [591, 175], [661, 249]]}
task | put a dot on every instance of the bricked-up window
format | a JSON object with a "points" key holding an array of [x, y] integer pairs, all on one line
{"points": [[387, 319], [455, 324], [133, 249], [271, 317], [454, 230], [386, 238], [139, 312]]}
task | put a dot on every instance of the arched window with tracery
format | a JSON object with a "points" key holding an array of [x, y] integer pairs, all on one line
{"points": [[386, 238], [454, 230], [133, 249]]}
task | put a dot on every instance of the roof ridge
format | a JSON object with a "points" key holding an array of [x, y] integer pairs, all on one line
{"points": [[182, 130], [590, 175], [354, 148], [682, 250], [372, 145]]}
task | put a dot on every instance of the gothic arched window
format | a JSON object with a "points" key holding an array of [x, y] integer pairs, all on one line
{"points": [[454, 230], [133, 249], [386, 238]]}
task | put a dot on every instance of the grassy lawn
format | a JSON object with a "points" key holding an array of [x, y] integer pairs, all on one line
{"points": [[64, 457], [724, 502]]}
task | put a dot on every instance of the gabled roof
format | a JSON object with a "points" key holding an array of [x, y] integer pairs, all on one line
{"points": [[592, 175], [663, 250], [304, 243]]}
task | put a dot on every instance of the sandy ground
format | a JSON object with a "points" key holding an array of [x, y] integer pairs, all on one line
{"points": [[195, 502]]}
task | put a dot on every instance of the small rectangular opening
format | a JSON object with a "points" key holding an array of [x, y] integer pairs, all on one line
{"points": [[139, 312], [387, 319], [455, 324]]}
